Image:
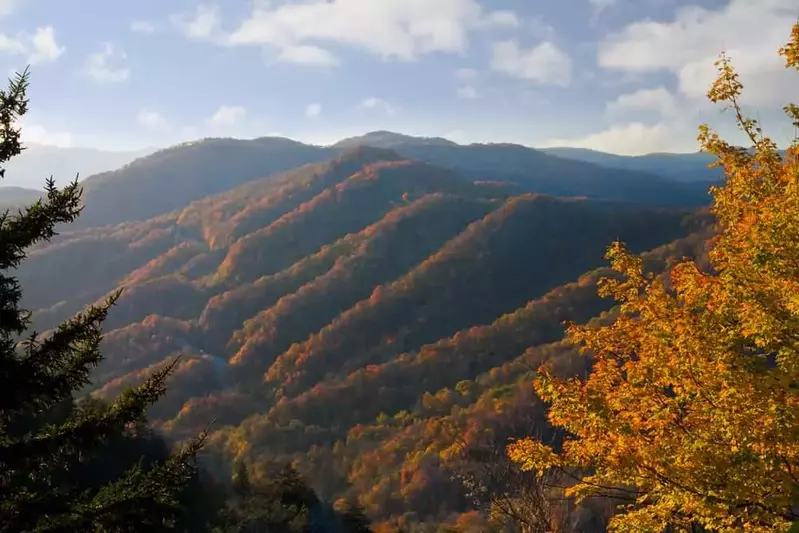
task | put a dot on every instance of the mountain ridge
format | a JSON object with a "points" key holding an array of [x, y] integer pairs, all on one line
{"points": [[173, 178], [368, 281], [37, 162]]}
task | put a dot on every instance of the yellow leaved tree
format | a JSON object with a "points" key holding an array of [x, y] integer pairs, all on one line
{"points": [[690, 415]]}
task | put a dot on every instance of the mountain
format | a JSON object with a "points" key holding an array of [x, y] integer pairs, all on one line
{"points": [[172, 178], [11, 197], [38, 162], [390, 140], [539, 171], [691, 167], [348, 315]]}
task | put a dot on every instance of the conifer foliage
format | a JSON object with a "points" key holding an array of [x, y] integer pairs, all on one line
{"points": [[49, 443], [691, 411], [284, 503]]}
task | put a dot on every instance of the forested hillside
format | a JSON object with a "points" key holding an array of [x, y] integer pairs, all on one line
{"points": [[173, 178], [640, 180], [690, 167], [403, 334], [349, 315]]}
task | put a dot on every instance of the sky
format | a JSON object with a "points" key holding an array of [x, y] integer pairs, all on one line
{"points": [[622, 76]]}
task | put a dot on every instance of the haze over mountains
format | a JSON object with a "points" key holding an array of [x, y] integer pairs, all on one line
{"points": [[349, 307], [681, 167], [39, 161], [173, 177], [296, 312]]}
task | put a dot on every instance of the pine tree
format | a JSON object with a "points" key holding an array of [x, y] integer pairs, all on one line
{"points": [[281, 501], [47, 440]]}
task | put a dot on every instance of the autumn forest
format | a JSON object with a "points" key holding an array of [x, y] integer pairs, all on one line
{"points": [[398, 333]]}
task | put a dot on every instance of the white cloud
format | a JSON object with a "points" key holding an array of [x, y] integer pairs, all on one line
{"points": [[688, 46], [313, 110], [401, 29], [38, 134], [11, 45], [467, 92], [226, 120], [45, 47], [635, 138], [227, 115], [202, 24], [151, 119], [40, 47], [545, 64], [659, 100], [99, 65], [466, 74], [142, 26], [378, 103], [307, 55]]}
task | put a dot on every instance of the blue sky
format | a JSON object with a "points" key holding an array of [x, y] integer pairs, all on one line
{"points": [[626, 76]]}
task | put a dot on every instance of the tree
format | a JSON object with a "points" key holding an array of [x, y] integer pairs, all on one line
{"points": [[513, 499], [352, 519], [282, 502], [691, 409], [50, 477]]}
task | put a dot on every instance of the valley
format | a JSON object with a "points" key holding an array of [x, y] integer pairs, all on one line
{"points": [[393, 266], [352, 310]]}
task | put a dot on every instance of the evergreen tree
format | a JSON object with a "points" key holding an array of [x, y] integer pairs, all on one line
{"points": [[282, 502], [50, 478]]}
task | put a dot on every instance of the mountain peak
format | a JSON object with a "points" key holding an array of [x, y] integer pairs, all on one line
{"points": [[368, 153], [390, 139]]}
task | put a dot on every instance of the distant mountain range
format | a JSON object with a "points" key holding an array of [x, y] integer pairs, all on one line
{"points": [[38, 162], [352, 314], [11, 197], [390, 139], [147, 185], [681, 167]]}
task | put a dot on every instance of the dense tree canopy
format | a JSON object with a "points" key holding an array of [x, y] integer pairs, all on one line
{"points": [[691, 411]]}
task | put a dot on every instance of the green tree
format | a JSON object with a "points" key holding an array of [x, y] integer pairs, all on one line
{"points": [[50, 478], [280, 501], [281, 504]]}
